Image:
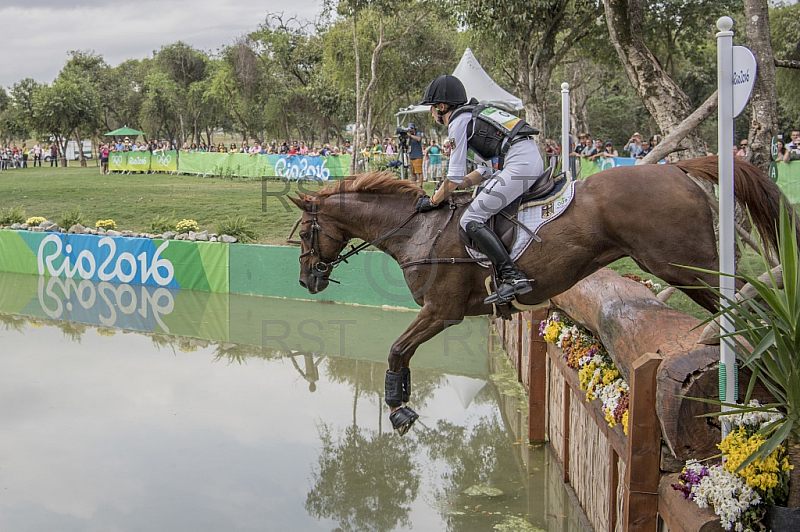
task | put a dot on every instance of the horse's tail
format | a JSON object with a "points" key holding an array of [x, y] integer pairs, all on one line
{"points": [[753, 190]]}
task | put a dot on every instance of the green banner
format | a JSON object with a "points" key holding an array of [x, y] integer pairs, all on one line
{"points": [[138, 161], [295, 167], [256, 166], [164, 161], [19, 251], [370, 278], [117, 161], [789, 179], [193, 162]]}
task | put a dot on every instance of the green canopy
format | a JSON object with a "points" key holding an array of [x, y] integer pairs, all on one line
{"points": [[124, 132]]}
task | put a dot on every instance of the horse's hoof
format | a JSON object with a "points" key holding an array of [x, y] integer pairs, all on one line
{"points": [[402, 419]]}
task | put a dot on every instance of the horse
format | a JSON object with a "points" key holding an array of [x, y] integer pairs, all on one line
{"points": [[656, 214]]}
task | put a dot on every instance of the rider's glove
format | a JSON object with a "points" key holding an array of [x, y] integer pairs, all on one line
{"points": [[425, 204]]}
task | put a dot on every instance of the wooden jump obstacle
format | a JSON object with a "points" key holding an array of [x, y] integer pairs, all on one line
{"points": [[622, 482]]}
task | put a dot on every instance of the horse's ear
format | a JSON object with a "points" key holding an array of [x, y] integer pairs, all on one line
{"points": [[300, 202], [304, 201]]}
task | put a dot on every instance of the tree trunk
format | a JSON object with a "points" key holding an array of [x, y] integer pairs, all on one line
{"points": [[764, 98], [81, 158], [579, 114], [662, 97], [356, 139]]}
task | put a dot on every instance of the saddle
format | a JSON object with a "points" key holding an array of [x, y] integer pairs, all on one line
{"points": [[505, 224]]}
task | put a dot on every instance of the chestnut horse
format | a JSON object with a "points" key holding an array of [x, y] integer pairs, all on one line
{"points": [[654, 214]]}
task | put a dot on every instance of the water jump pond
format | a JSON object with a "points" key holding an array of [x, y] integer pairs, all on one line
{"points": [[132, 408]]}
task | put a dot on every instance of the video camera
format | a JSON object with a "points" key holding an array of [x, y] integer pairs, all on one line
{"points": [[401, 131]]}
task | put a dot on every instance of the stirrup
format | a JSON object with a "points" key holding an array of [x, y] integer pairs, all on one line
{"points": [[518, 286]]}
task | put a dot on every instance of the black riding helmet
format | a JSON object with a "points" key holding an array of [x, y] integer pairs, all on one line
{"points": [[445, 89]]}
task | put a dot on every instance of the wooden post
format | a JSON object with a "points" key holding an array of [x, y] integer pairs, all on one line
{"points": [[519, 323], [613, 483], [537, 379], [644, 444], [565, 441]]}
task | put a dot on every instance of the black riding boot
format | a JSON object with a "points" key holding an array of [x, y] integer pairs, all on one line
{"points": [[512, 280]]}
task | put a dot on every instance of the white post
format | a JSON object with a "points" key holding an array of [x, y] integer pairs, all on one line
{"points": [[728, 372], [565, 143]]}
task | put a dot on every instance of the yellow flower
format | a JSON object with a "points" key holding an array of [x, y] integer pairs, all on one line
{"points": [[625, 422], [552, 331], [106, 224], [610, 374], [761, 474]]}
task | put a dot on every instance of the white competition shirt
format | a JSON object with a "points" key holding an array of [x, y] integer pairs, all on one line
{"points": [[457, 134]]}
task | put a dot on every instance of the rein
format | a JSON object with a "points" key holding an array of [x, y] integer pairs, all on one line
{"points": [[431, 260], [323, 267]]}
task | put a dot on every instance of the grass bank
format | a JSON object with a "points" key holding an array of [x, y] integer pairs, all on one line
{"points": [[135, 201]]}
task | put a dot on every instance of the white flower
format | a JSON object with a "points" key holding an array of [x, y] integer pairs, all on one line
{"points": [[724, 491]]}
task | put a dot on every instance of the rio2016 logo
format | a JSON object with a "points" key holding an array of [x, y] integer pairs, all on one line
{"points": [[121, 268], [302, 169], [104, 303]]}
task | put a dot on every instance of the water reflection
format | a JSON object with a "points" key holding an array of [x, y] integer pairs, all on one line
{"points": [[108, 429], [275, 325]]}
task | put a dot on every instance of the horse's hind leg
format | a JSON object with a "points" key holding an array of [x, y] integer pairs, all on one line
{"points": [[689, 281]]}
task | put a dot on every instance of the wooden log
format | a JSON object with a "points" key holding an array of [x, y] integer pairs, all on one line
{"points": [[682, 515], [630, 321]]}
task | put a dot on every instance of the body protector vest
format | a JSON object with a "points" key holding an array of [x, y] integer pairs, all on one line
{"points": [[490, 126]]}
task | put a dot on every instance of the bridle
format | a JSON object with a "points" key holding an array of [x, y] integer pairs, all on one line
{"points": [[323, 267]]}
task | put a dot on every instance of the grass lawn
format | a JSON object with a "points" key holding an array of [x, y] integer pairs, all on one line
{"points": [[134, 201]]}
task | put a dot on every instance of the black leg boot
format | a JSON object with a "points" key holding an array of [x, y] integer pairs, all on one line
{"points": [[512, 280]]}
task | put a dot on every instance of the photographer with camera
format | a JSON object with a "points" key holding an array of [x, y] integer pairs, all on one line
{"points": [[415, 153], [489, 132]]}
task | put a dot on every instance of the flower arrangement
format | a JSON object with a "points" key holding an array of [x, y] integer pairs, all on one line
{"points": [[597, 374], [184, 226], [739, 495], [35, 220], [106, 224]]}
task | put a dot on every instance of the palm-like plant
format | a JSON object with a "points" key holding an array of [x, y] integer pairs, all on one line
{"points": [[765, 334]]}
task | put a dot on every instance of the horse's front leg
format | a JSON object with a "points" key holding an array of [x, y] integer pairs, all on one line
{"points": [[425, 326]]}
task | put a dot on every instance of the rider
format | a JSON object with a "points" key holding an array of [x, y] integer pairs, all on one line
{"points": [[490, 133]]}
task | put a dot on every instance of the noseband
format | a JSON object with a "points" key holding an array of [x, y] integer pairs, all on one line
{"points": [[323, 267]]}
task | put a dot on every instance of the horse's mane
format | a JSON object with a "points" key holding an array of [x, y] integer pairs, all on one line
{"points": [[373, 182]]}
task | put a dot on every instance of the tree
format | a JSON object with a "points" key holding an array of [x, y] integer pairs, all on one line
{"points": [[785, 30], [63, 108], [184, 71], [539, 35], [123, 94], [388, 24], [764, 100], [91, 73]]}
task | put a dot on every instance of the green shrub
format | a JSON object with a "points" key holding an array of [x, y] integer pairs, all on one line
{"points": [[162, 224], [237, 227], [12, 215], [70, 218]]}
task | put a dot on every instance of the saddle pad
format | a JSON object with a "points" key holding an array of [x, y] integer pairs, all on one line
{"points": [[533, 215]]}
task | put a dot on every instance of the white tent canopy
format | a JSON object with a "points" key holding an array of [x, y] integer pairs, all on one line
{"points": [[479, 86]]}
